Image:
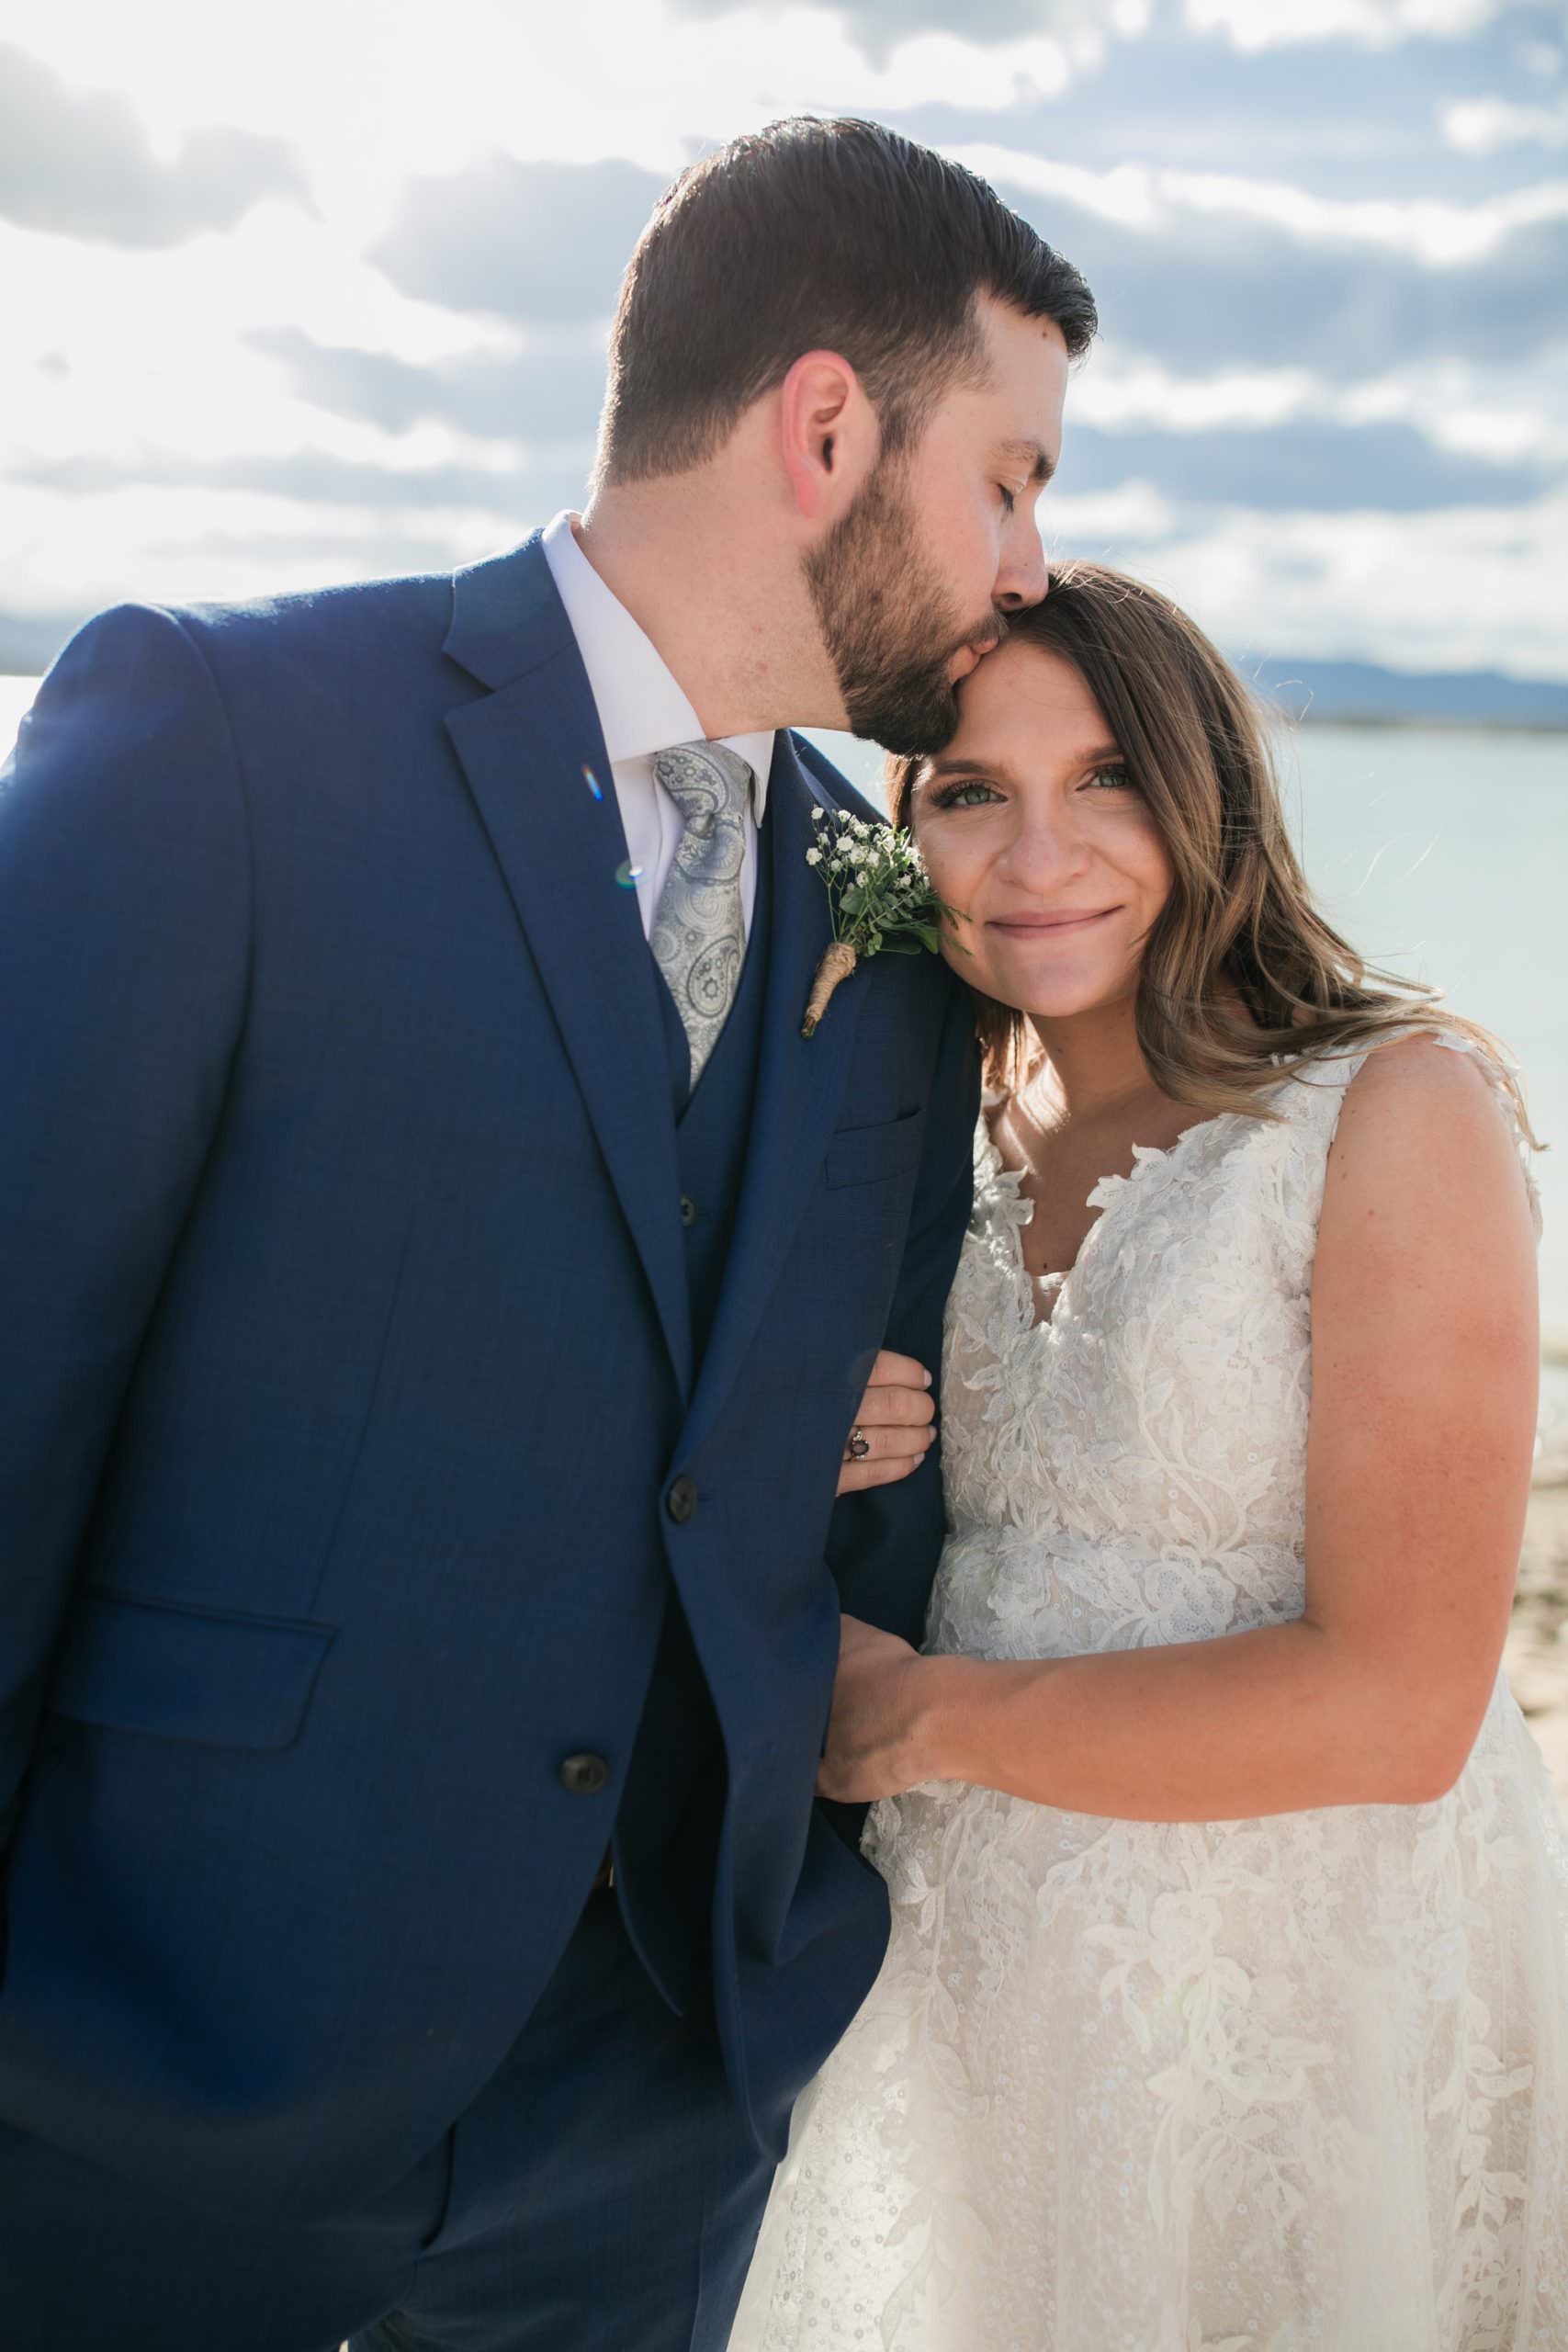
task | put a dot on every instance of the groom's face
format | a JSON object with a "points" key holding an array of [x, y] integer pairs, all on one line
{"points": [[913, 586]]}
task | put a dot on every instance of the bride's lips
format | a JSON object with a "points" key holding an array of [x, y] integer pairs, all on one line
{"points": [[1071, 919]]}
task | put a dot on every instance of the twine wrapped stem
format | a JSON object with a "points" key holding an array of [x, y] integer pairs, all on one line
{"points": [[837, 965]]}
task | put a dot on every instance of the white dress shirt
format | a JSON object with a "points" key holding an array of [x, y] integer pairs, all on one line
{"points": [[643, 711]]}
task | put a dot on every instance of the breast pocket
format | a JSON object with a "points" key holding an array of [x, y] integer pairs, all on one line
{"points": [[867, 1155]]}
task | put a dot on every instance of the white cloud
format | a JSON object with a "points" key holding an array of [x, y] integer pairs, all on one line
{"points": [[139, 362], [1464, 588], [1472, 408], [1124, 391], [371, 103], [1099, 521], [176, 545], [179, 302], [1152, 201], [1469, 407], [1424, 229], [880, 28], [1380, 24], [1481, 126], [125, 357]]}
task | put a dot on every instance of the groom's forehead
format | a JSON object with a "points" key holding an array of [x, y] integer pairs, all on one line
{"points": [[1025, 379]]}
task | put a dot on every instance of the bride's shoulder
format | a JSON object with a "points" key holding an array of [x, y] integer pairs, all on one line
{"points": [[1417, 1079], [1415, 1072], [1433, 1115]]}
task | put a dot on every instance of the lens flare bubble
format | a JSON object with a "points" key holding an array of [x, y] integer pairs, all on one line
{"points": [[591, 781], [627, 875]]}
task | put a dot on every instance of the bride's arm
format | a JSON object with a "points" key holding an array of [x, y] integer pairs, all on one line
{"points": [[1423, 1356]]}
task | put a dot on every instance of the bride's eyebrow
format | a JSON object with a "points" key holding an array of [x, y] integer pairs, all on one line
{"points": [[932, 771]]}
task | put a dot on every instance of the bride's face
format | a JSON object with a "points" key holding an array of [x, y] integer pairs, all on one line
{"points": [[1032, 827]]}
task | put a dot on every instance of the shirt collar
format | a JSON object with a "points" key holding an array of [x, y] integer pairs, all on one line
{"points": [[642, 707]]}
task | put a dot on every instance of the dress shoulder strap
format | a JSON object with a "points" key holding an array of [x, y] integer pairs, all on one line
{"points": [[1315, 1088], [1498, 1075]]}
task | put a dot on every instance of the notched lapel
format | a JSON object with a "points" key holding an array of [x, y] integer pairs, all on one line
{"points": [[800, 1085], [523, 748]]}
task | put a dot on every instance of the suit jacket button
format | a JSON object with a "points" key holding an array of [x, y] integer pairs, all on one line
{"points": [[682, 1502], [688, 1211], [584, 1775]]}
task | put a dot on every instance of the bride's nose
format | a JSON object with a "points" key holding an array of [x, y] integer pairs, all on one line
{"points": [[1047, 851]]}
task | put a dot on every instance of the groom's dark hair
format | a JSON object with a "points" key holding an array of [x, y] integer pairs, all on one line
{"points": [[815, 235]]}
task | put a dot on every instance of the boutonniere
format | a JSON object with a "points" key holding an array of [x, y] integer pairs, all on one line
{"points": [[881, 899]]}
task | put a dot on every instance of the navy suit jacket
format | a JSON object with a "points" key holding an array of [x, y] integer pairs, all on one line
{"points": [[345, 1374]]}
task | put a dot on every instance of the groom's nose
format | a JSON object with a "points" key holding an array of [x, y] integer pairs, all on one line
{"points": [[1023, 576]]}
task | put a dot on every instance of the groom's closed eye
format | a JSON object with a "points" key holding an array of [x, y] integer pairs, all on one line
{"points": [[1028, 459]]}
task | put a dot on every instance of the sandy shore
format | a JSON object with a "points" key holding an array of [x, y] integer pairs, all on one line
{"points": [[1537, 1653]]}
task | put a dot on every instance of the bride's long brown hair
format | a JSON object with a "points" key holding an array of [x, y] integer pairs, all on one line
{"points": [[1239, 967]]}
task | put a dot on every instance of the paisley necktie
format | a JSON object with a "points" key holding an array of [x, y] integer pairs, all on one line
{"points": [[699, 931]]}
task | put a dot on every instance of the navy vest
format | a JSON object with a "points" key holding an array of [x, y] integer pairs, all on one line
{"points": [[667, 1828]]}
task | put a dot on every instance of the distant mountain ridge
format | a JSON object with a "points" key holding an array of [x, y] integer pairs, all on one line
{"points": [[1360, 693], [1350, 692]]}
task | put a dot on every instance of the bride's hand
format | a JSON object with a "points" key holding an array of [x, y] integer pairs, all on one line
{"points": [[882, 1732], [893, 1423]]}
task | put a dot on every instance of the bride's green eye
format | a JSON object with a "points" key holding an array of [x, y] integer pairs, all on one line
{"points": [[1116, 778], [953, 796]]}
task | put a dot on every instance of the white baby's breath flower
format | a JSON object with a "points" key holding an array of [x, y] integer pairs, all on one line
{"points": [[881, 899]]}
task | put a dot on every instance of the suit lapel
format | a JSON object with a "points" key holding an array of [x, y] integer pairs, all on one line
{"points": [[800, 1085], [523, 747]]}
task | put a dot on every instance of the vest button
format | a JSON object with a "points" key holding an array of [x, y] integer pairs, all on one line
{"points": [[682, 1502], [584, 1775], [688, 1211]]}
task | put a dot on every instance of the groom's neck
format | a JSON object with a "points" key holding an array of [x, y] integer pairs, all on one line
{"points": [[719, 591]]}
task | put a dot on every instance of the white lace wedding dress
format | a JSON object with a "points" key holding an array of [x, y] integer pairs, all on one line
{"points": [[1128, 2087]]}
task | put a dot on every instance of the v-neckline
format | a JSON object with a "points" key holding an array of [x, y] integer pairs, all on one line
{"points": [[1106, 1190], [1101, 1194]]}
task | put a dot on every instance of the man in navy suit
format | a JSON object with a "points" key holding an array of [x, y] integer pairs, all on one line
{"points": [[436, 1277]]}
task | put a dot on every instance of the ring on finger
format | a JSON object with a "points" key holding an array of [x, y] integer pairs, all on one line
{"points": [[858, 1447]]}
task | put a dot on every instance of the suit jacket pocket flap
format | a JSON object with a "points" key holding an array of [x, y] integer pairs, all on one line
{"points": [[187, 1674], [860, 1155]]}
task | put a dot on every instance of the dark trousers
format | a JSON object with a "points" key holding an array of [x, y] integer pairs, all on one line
{"points": [[598, 2195]]}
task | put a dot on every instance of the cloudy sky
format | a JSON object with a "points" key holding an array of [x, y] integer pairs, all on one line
{"points": [[319, 289]]}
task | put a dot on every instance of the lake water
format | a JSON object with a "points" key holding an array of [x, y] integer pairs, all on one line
{"points": [[1442, 853]]}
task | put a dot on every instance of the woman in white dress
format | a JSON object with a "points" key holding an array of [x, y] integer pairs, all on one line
{"points": [[1226, 2002]]}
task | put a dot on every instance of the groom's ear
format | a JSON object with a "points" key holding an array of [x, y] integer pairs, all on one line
{"points": [[829, 435]]}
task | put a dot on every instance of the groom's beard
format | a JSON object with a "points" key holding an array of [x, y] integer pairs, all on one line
{"points": [[888, 626]]}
